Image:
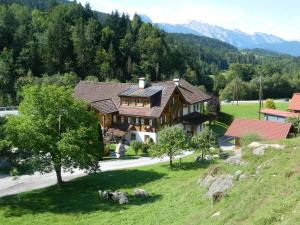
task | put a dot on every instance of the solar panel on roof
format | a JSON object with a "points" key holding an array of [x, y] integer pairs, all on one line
{"points": [[138, 92]]}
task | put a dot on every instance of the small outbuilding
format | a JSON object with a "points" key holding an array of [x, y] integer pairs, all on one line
{"points": [[268, 130], [294, 104], [277, 115]]}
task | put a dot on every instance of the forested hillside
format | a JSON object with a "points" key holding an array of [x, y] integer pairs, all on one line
{"points": [[50, 41]]}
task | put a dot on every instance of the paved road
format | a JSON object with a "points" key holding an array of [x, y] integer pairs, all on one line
{"points": [[8, 112], [9, 186]]}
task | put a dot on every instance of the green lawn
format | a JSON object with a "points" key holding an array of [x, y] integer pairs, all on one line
{"points": [[243, 110], [270, 197]]}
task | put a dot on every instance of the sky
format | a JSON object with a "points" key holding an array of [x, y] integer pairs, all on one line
{"points": [[278, 17]]}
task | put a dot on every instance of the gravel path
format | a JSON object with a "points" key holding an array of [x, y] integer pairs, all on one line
{"points": [[9, 186]]}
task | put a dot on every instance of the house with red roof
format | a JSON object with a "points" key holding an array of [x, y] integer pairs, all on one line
{"points": [[294, 104], [137, 111], [277, 115], [267, 130]]}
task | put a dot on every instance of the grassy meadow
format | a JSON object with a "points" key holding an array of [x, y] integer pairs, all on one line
{"points": [[269, 195]]}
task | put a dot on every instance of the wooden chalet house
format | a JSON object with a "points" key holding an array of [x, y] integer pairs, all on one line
{"points": [[137, 111]]}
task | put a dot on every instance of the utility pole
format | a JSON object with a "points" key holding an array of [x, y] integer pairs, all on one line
{"points": [[260, 94]]}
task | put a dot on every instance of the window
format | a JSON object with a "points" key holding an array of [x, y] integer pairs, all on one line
{"points": [[139, 102], [114, 118], [122, 119], [142, 121], [189, 109], [132, 137], [165, 119], [173, 100], [129, 119], [150, 122], [132, 102], [194, 107], [161, 120], [137, 121], [146, 103]]}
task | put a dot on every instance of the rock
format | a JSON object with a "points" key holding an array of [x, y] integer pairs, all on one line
{"points": [[140, 193], [216, 214], [235, 160], [259, 151], [117, 196], [208, 158], [220, 184], [259, 148], [207, 181], [238, 173], [254, 145]]}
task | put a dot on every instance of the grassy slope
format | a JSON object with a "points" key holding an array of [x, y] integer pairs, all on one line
{"points": [[244, 110], [272, 197]]}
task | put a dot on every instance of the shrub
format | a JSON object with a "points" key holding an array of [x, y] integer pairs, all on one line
{"points": [[249, 138], [135, 146], [269, 104], [213, 106]]}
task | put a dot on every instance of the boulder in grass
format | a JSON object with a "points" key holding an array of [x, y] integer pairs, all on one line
{"points": [[140, 193], [116, 196]]}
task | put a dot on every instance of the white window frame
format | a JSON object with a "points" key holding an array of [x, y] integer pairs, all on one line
{"points": [[129, 120], [142, 121], [150, 122], [137, 121]]}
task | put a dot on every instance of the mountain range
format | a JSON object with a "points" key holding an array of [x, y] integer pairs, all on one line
{"points": [[235, 37]]}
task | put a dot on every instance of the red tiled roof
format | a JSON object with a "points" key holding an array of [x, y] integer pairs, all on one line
{"points": [[266, 129], [295, 102], [275, 112]]}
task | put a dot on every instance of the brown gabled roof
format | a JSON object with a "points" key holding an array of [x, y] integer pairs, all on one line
{"points": [[104, 106], [106, 95], [190, 93], [95, 91], [268, 130], [275, 112], [295, 102]]}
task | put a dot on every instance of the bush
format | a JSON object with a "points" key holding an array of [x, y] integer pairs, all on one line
{"points": [[213, 106], [249, 138], [135, 146], [269, 104]]}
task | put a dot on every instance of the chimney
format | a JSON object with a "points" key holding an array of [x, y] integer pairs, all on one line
{"points": [[142, 82], [176, 81]]}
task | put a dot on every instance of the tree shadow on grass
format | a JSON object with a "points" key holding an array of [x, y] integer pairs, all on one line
{"points": [[190, 165], [81, 195]]}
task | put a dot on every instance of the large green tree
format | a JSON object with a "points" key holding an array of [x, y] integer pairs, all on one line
{"points": [[54, 131]]}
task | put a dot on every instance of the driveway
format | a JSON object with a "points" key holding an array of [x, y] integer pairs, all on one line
{"points": [[9, 186]]}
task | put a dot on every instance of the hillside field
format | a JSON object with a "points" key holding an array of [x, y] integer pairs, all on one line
{"points": [[269, 195]]}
